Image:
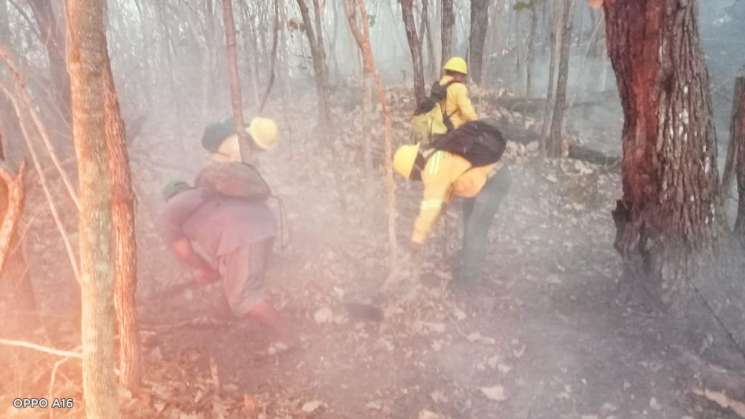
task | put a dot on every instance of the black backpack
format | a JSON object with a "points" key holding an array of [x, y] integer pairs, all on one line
{"points": [[479, 142], [437, 94]]}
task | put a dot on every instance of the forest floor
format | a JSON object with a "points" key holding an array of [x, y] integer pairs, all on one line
{"points": [[545, 335]]}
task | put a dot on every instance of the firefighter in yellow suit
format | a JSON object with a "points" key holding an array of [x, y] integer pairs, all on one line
{"points": [[446, 176], [458, 105]]}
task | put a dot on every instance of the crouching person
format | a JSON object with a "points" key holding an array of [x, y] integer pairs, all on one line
{"points": [[235, 239]]}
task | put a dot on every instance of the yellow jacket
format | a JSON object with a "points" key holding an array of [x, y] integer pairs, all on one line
{"points": [[457, 103], [445, 176]]}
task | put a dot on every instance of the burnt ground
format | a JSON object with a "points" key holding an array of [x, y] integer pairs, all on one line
{"points": [[544, 336]]}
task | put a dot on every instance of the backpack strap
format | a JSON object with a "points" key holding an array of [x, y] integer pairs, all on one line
{"points": [[446, 117]]}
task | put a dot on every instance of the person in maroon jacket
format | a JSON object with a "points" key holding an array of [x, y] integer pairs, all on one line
{"points": [[235, 239]]}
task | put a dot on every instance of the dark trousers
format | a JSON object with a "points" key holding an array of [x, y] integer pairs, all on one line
{"points": [[478, 214]]}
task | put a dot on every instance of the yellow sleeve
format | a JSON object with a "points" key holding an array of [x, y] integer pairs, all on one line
{"points": [[467, 112], [437, 186], [434, 200]]}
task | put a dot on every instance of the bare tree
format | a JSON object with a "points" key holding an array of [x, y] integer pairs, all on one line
{"points": [[235, 82], [477, 37], [125, 244], [87, 62], [554, 140], [415, 47], [318, 54], [53, 39], [731, 162], [448, 21], [738, 147], [12, 194], [361, 31], [666, 219]]}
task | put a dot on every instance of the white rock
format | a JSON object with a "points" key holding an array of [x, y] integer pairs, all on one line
{"points": [[312, 406], [495, 393], [323, 315], [532, 146]]}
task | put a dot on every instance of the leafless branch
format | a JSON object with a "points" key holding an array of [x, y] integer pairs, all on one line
{"points": [[6, 57], [43, 182], [40, 348]]}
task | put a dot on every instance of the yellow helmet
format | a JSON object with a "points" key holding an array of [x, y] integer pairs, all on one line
{"points": [[264, 132], [457, 64], [404, 159]]}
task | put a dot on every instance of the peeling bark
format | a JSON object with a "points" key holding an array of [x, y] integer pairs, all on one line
{"points": [[124, 244], [669, 204]]}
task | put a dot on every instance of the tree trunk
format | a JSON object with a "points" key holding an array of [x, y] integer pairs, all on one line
{"points": [[235, 82], [12, 194], [319, 62], [553, 147], [730, 166], [54, 40], [415, 47], [361, 32], [87, 61], [448, 21], [738, 139], [477, 37], [667, 217], [426, 30], [530, 56], [125, 244], [551, 87]]}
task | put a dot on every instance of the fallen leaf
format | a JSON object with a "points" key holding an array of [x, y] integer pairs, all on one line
{"points": [[495, 393]]}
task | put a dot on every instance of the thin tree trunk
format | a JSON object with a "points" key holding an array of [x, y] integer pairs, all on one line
{"points": [[531, 50], [125, 244], [448, 21], [425, 28], [554, 146], [738, 138], [730, 166], [235, 82], [319, 62], [477, 37], [666, 219], [551, 87], [361, 33], [87, 61], [147, 39], [12, 194], [54, 42], [415, 47]]}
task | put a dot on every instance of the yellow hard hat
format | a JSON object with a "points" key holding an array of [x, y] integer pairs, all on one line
{"points": [[404, 159], [457, 64], [264, 132]]}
